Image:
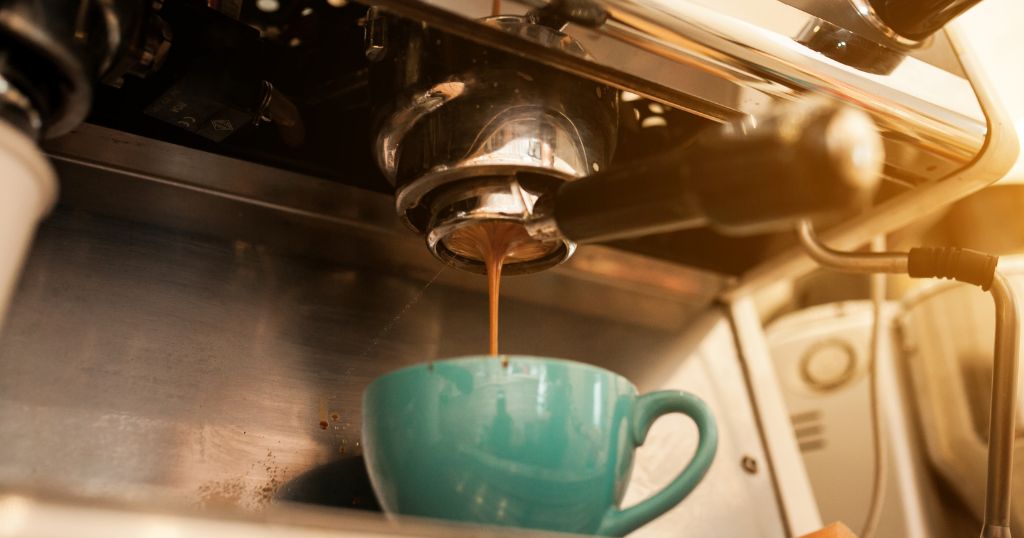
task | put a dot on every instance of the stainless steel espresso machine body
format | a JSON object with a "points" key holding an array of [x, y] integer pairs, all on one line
{"points": [[260, 205]]}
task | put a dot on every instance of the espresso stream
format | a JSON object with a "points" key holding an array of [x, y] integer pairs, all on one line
{"points": [[494, 242]]}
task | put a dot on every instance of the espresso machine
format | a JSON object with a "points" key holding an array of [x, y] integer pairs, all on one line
{"points": [[223, 219]]}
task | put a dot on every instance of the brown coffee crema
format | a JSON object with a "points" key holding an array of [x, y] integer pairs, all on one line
{"points": [[493, 242]]}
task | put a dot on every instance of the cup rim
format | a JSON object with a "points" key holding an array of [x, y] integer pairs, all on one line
{"points": [[511, 358]]}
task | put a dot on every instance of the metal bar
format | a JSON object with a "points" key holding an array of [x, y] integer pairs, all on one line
{"points": [[796, 497], [1001, 420], [854, 262]]}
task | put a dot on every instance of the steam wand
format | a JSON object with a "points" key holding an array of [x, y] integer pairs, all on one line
{"points": [[973, 268]]}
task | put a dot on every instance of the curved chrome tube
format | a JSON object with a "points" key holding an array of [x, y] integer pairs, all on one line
{"points": [[855, 262], [1001, 417]]}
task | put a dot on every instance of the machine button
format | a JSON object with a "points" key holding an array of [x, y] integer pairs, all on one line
{"points": [[828, 365]]}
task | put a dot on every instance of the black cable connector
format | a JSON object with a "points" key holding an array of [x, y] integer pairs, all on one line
{"points": [[961, 264]]}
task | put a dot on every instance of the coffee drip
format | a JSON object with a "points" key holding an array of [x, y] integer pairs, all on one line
{"points": [[493, 242]]}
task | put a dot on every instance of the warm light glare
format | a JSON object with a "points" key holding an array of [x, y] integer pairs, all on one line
{"points": [[159, 528], [14, 511], [1016, 174], [991, 28]]}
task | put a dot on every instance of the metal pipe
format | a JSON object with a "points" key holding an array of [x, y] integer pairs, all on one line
{"points": [[855, 262], [1001, 420], [878, 430]]}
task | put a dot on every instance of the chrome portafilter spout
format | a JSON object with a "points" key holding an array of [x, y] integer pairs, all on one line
{"points": [[459, 213], [476, 136]]}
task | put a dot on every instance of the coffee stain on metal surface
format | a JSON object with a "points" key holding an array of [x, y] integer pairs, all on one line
{"points": [[245, 492], [264, 493], [222, 494], [323, 413]]}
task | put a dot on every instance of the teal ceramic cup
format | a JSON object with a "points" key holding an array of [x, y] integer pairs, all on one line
{"points": [[539, 443]]}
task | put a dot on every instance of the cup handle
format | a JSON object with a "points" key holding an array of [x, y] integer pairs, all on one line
{"points": [[649, 407]]}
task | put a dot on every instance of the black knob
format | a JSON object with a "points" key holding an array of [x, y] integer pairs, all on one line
{"points": [[918, 19]]}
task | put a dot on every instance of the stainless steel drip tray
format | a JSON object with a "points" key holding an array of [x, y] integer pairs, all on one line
{"points": [[50, 515]]}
